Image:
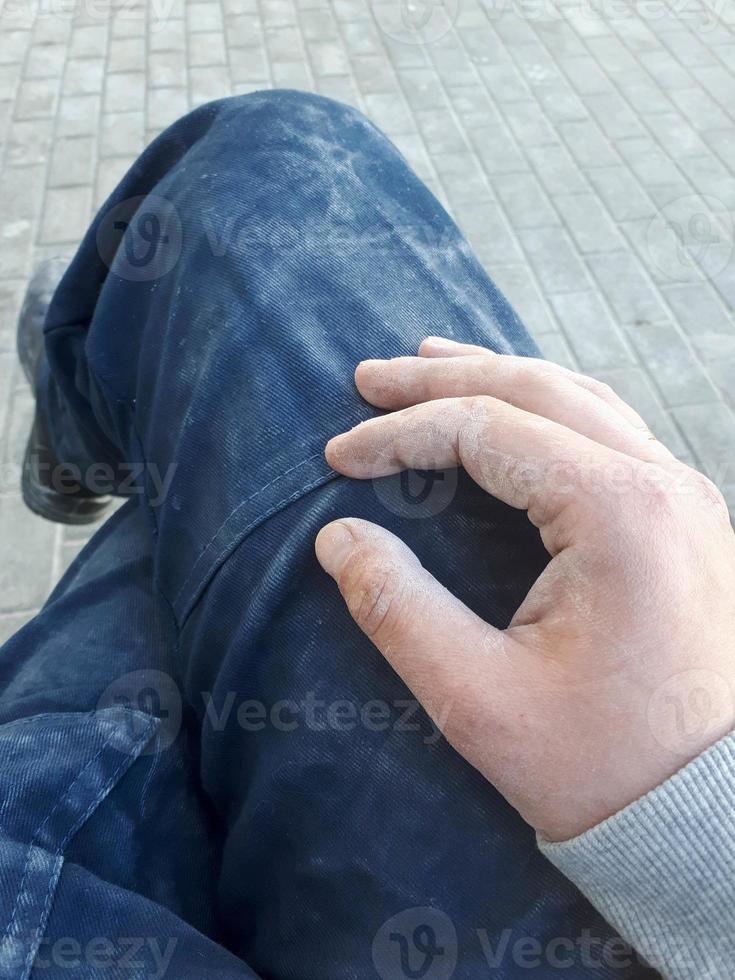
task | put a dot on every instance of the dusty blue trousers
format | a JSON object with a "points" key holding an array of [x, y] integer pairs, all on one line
{"points": [[207, 770]]}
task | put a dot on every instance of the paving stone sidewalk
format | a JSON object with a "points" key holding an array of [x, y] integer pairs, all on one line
{"points": [[587, 150]]}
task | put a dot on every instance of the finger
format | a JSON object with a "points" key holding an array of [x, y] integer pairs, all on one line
{"points": [[414, 621], [607, 394], [437, 347], [443, 347], [528, 383], [523, 459]]}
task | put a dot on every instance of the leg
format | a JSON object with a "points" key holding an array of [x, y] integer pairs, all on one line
{"points": [[314, 246], [206, 335], [101, 800]]}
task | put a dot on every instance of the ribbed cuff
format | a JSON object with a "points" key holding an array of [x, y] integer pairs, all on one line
{"points": [[662, 870]]}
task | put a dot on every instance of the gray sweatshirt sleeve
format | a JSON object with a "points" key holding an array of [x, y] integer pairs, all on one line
{"points": [[662, 870]]}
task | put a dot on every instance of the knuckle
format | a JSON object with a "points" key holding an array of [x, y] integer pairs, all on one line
{"points": [[661, 503], [669, 492], [600, 388], [473, 422], [533, 371], [477, 407], [656, 493], [375, 597], [707, 493]]}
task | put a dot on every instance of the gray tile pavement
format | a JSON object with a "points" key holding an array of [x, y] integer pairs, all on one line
{"points": [[587, 149]]}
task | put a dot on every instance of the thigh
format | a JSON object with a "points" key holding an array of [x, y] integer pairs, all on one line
{"points": [[97, 784], [257, 252], [354, 832]]}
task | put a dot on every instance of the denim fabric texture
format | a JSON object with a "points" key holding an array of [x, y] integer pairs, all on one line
{"points": [[202, 752]]}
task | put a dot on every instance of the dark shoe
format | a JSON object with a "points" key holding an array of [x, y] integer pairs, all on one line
{"points": [[30, 344], [45, 483]]}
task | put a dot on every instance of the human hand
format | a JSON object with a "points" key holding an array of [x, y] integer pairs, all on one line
{"points": [[567, 711]]}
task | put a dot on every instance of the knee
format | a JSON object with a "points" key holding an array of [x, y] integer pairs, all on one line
{"points": [[291, 104], [287, 114]]}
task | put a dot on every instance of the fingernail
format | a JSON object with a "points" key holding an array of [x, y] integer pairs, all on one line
{"points": [[442, 343], [333, 546]]}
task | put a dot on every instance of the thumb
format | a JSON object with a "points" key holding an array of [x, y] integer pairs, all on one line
{"points": [[441, 649]]}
